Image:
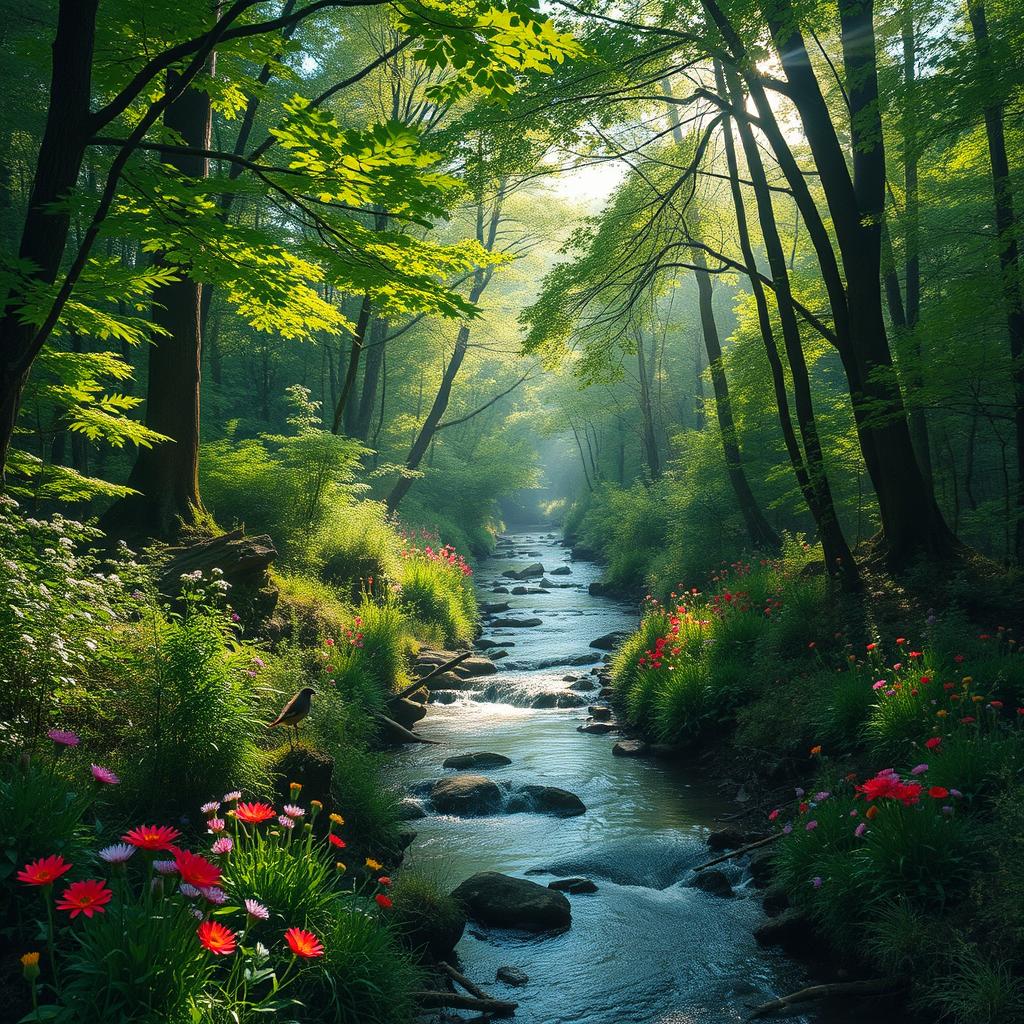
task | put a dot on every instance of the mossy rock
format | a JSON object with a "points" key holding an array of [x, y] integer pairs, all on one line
{"points": [[311, 768]]}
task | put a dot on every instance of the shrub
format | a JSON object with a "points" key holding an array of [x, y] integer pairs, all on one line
{"points": [[427, 917], [436, 591], [194, 702]]}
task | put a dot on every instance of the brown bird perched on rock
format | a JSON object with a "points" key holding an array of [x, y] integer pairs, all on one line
{"points": [[295, 711]]}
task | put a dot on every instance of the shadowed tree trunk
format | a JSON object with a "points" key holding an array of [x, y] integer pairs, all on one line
{"points": [[45, 232], [810, 474], [651, 454], [1006, 245], [167, 476], [911, 521]]}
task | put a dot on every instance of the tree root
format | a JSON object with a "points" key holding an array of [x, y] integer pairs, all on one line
{"points": [[871, 987], [494, 1007]]}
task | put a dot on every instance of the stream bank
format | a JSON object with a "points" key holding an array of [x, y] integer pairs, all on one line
{"points": [[646, 946]]}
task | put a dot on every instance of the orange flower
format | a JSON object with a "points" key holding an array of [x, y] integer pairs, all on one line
{"points": [[216, 938], [815, 750], [88, 897], [196, 870], [303, 943], [44, 871], [152, 837], [871, 811], [254, 813]]}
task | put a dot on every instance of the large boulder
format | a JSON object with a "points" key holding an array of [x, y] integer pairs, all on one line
{"points": [[630, 748], [552, 800], [713, 881], [532, 571], [791, 931], [472, 668], [609, 641], [466, 795], [512, 623], [596, 728], [562, 570], [478, 759], [506, 902], [406, 712]]}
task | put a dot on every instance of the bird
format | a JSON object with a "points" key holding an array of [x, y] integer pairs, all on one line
{"points": [[295, 711]]}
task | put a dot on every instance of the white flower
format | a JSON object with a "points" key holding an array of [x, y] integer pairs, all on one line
{"points": [[117, 854]]}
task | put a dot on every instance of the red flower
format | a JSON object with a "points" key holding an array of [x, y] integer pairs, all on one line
{"points": [[152, 837], [303, 943], [889, 785], [871, 647], [44, 871], [938, 792], [254, 813], [88, 897], [383, 901], [337, 841], [196, 870], [216, 938], [997, 704], [933, 742], [773, 815]]}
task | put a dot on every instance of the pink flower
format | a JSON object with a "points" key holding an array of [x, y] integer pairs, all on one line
{"points": [[294, 811], [64, 737], [104, 775], [919, 769], [222, 845], [811, 825], [256, 910], [216, 825], [285, 822], [860, 830]]}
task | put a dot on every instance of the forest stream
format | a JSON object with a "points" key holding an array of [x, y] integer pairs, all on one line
{"points": [[646, 947]]}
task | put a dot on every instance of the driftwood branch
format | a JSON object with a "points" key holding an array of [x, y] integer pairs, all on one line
{"points": [[495, 1007], [400, 731], [738, 852], [871, 987], [423, 680], [471, 987]]}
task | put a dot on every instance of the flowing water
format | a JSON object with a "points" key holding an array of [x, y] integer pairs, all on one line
{"points": [[645, 948]]}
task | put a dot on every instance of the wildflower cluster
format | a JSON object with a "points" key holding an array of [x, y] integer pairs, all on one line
{"points": [[445, 555], [159, 892]]}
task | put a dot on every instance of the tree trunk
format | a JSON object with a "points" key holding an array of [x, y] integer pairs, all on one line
{"points": [[911, 521], [651, 453], [758, 528], [811, 475], [167, 476], [45, 231], [437, 410], [371, 378], [344, 410], [1007, 247]]}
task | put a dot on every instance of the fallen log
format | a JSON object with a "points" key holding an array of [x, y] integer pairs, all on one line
{"points": [[457, 1001], [739, 851], [870, 987], [399, 732], [423, 680], [471, 987]]}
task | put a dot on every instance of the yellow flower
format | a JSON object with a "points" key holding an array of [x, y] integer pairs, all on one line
{"points": [[337, 819], [340, 867], [30, 966], [373, 865], [942, 713], [977, 699], [295, 787], [317, 804], [967, 680]]}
